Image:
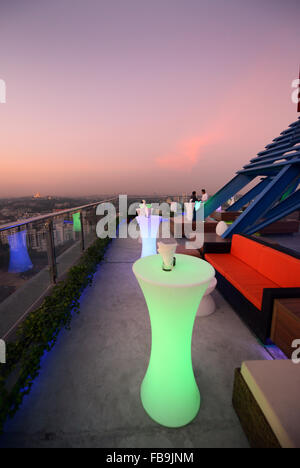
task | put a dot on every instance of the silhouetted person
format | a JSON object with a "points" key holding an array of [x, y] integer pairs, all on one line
{"points": [[193, 199]]}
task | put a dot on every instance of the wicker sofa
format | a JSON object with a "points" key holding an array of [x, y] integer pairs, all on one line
{"points": [[251, 274], [266, 400]]}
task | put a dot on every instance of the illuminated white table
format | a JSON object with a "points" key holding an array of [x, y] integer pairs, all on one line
{"points": [[169, 391], [189, 209], [149, 228], [208, 306]]}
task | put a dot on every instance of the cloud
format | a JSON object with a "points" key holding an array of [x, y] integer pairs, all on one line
{"points": [[185, 154]]}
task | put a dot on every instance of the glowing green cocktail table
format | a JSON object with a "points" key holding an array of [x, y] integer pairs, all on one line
{"points": [[169, 391]]}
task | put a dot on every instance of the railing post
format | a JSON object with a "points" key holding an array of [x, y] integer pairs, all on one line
{"points": [[82, 231], [51, 252]]}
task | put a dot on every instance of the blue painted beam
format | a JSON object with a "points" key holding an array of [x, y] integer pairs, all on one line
{"points": [[289, 156], [291, 204], [249, 196], [291, 189], [287, 195], [271, 154], [273, 147], [264, 200], [270, 166], [225, 193]]}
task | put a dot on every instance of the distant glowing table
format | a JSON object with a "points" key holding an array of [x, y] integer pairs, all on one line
{"points": [[19, 260], [189, 208], [149, 229], [169, 391], [76, 222], [207, 306]]}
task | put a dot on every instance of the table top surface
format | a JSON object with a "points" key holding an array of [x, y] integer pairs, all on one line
{"points": [[188, 271]]}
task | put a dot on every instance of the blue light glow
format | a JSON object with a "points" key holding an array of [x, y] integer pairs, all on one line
{"points": [[149, 229], [19, 260]]}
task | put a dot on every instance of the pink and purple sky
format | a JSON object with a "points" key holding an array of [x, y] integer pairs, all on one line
{"points": [[134, 96]]}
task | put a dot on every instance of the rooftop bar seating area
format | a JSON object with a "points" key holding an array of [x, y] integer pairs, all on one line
{"points": [[87, 392], [191, 344], [251, 274]]}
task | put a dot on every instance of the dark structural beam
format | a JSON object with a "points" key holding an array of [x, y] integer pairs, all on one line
{"points": [[289, 205], [249, 196], [230, 189], [256, 210], [278, 165]]}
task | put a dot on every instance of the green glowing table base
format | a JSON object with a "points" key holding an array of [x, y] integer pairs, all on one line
{"points": [[169, 391]]}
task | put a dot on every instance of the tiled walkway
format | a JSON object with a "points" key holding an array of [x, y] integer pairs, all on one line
{"points": [[87, 394]]}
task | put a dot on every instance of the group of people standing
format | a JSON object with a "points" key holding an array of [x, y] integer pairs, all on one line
{"points": [[194, 198], [203, 197]]}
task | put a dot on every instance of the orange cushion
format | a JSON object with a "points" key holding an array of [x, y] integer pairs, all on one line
{"points": [[279, 267], [248, 281], [246, 250]]}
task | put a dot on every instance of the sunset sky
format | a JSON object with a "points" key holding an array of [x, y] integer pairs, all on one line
{"points": [[133, 96]]}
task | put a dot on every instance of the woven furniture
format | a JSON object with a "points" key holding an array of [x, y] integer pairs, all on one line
{"points": [[266, 400], [254, 423]]}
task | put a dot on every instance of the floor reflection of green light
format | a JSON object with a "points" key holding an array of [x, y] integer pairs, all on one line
{"points": [[169, 391]]}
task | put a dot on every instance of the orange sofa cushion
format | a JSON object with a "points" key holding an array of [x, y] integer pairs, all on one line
{"points": [[246, 250], [277, 266], [243, 277]]}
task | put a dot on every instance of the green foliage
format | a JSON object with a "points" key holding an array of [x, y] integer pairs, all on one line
{"points": [[39, 331]]}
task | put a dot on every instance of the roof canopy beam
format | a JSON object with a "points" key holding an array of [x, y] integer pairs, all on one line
{"points": [[272, 192], [291, 204], [249, 196], [230, 189]]}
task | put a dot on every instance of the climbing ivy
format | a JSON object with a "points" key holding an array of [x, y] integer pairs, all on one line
{"points": [[39, 331]]}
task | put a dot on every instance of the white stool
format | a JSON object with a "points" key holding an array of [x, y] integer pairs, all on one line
{"points": [[207, 305]]}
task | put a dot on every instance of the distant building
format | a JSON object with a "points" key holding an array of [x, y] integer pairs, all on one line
{"points": [[37, 195]]}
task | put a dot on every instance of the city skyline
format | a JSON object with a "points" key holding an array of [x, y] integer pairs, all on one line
{"points": [[141, 97]]}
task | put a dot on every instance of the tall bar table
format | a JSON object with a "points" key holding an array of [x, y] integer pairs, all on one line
{"points": [[189, 210], [149, 229], [169, 392]]}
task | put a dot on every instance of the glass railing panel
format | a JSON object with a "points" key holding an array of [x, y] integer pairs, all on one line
{"points": [[67, 241], [90, 220], [34, 254], [24, 274]]}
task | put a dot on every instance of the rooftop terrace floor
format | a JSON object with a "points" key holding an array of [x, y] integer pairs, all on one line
{"points": [[87, 394]]}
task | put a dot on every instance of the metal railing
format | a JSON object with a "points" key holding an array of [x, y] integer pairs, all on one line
{"points": [[23, 222], [36, 252]]}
